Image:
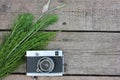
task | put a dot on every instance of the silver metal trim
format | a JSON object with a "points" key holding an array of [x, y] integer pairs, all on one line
{"points": [[43, 53], [44, 74]]}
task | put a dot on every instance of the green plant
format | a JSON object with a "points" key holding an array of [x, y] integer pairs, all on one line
{"points": [[25, 35]]}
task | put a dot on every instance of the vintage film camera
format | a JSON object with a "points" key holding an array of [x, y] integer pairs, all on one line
{"points": [[45, 63]]}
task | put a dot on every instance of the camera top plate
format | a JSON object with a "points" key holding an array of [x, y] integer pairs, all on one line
{"points": [[44, 53]]}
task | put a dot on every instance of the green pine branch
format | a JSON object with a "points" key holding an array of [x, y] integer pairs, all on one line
{"points": [[25, 35]]}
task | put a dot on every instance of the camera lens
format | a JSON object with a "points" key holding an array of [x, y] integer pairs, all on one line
{"points": [[45, 65]]}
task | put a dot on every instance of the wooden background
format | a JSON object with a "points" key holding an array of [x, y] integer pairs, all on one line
{"points": [[89, 37]]}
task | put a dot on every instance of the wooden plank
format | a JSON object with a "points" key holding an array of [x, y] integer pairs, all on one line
{"points": [[77, 15], [23, 77], [88, 53]]}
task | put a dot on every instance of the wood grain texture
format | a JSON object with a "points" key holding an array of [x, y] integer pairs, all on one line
{"points": [[77, 15], [87, 53], [23, 77]]}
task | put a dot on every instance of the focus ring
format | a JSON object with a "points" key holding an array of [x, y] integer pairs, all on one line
{"points": [[45, 65]]}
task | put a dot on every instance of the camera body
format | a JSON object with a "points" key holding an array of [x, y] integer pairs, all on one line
{"points": [[45, 63]]}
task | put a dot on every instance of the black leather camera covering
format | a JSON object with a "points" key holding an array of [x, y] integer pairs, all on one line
{"points": [[32, 64]]}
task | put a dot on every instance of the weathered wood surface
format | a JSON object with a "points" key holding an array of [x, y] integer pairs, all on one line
{"points": [[85, 52], [88, 53], [77, 15], [21, 77]]}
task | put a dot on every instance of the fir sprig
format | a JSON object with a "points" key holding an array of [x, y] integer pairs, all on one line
{"points": [[24, 36]]}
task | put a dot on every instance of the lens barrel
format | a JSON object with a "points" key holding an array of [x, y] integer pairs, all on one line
{"points": [[45, 65]]}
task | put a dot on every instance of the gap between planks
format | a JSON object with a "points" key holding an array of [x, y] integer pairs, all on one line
{"points": [[92, 75], [80, 31]]}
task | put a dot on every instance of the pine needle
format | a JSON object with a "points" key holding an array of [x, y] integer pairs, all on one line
{"points": [[25, 35]]}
